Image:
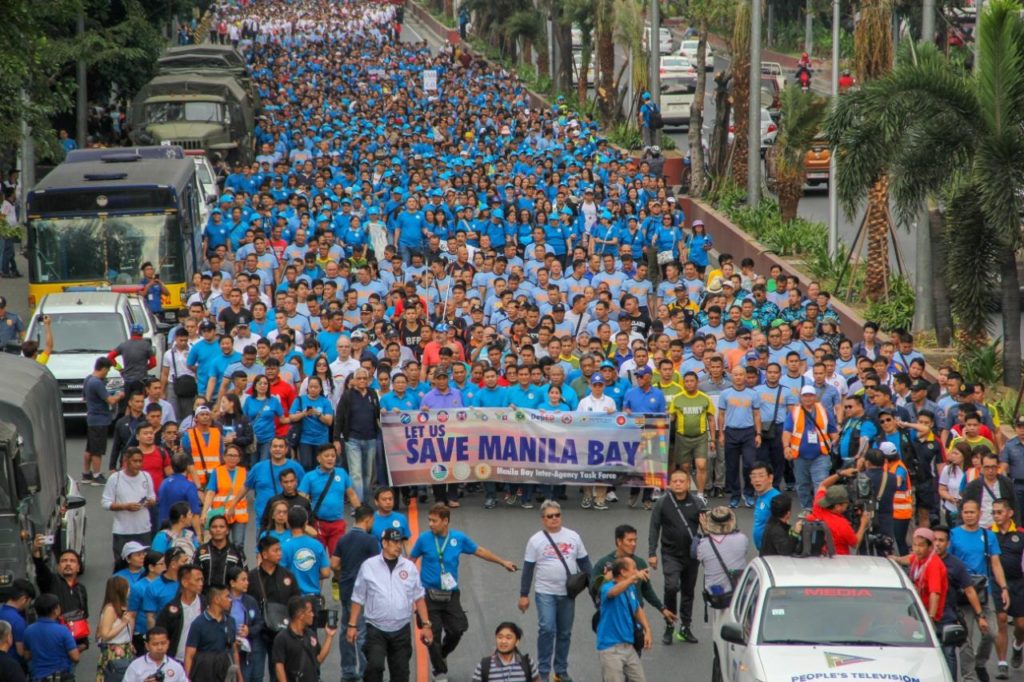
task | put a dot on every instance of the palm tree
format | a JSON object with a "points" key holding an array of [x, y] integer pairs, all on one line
{"points": [[802, 114], [740, 91], [873, 57], [931, 128], [604, 24]]}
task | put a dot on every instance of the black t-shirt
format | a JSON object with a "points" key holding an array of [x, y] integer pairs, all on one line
{"points": [[1011, 548], [410, 337], [298, 653], [229, 318], [641, 325], [295, 500], [355, 547], [885, 502]]}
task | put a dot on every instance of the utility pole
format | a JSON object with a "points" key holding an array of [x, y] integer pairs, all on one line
{"points": [[82, 102], [928, 21], [654, 67], [833, 198], [809, 27], [754, 114]]}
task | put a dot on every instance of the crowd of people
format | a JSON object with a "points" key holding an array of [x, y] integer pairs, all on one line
{"points": [[397, 248]]}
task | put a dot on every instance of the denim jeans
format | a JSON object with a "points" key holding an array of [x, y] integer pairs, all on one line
{"points": [[262, 451], [353, 659], [361, 455], [809, 474], [237, 534], [257, 667], [307, 456], [555, 615]]}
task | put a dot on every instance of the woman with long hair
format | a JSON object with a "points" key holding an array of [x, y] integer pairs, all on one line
{"points": [[114, 633], [263, 410], [952, 481], [316, 414], [234, 425], [155, 566], [277, 522], [322, 369]]}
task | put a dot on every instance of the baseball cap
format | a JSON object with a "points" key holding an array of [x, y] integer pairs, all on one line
{"points": [[203, 409], [366, 308], [607, 364], [596, 379], [919, 385], [836, 494], [3, 302], [131, 548], [888, 449], [753, 355], [558, 308], [1020, 421], [393, 534], [441, 328], [808, 390], [642, 371], [206, 326], [358, 334]]}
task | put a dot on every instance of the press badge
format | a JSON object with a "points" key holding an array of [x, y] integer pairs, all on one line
{"points": [[812, 437], [448, 583]]}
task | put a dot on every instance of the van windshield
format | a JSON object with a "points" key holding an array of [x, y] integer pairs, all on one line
{"points": [[83, 332], [843, 616]]}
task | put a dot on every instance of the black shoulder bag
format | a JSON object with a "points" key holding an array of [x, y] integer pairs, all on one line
{"points": [[979, 581], [574, 582], [323, 494], [772, 430], [275, 614]]}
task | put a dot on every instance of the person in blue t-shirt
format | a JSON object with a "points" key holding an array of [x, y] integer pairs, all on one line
{"points": [[440, 549], [134, 555], [264, 477], [263, 410], [303, 555], [762, 479], [385, 517], [48, 643], [316, 415], [620, 609], [19, 595]]}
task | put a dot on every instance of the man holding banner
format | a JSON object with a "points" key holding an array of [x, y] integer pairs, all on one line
{"points": [[442, 397], [597, 401]]}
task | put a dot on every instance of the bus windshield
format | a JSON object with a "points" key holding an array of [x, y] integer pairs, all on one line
{"points": [[173, 112], [110, 248]]}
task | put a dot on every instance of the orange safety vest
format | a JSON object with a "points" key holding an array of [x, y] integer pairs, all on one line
{"points": [[205, 456], [226, 492], [796, 436], [902, 500]]}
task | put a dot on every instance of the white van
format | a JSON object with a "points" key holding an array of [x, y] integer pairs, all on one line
{"points": [[839, 618], [86, 325]]}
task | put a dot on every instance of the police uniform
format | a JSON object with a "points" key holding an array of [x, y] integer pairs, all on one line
{"points": [[144, 667], [1011, 547]]}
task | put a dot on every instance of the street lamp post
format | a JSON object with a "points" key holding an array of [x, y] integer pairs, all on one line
{"points": [[833, 198], [754, 114]]}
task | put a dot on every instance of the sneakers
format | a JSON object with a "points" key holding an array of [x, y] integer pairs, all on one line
{"points": [[748, 502], [634, 499], [685, 634], [86, 478], [526, 503], [666, 638], [734, 502], [490, 503], [586, 502], [655, 494], [99, 480], [1017, 657], [718, 492], [648, 505], [600, 504], [1004, 671], [564, 677], [981, 674], [610, 496], [511, 499], [440, 677]]}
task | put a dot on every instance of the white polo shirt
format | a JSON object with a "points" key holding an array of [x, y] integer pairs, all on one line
{"points": [[387, 597], [143, 667]]}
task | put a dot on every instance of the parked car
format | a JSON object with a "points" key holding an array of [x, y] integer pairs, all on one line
{"points": [[665, 39], [676, 97], [770, 98], [87, 324], [688, 49], [769, 129], [774, 69], [816, 164], [678, 67]]}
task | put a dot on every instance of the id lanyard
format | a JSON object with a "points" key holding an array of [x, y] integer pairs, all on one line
{"points": [[447, 580]]}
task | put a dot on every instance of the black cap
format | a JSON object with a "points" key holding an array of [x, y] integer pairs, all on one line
{"points": [[558, 308], [920, 385], [366, 308], [206, 326], [393, 534]]}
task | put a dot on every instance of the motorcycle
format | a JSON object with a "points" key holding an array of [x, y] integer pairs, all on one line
{"points": [[803, 76]]}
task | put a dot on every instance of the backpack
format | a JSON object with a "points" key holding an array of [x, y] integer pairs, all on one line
{"points": [[815, 540], [522, 659], [657, 122]]}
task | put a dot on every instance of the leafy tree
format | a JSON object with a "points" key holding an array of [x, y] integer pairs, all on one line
{"points": [[741, 91], [802, 115], [930, 128]]}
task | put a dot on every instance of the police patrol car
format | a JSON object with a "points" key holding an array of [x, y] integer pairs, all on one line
{"points": [[839, 618]]}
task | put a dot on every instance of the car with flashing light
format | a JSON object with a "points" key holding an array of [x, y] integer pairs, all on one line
{"points": [[794, 619], [88, 323]]}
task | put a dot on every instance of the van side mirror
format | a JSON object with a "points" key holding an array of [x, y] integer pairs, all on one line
{"points": [[953, 635], [731, 632], [74, 502]]}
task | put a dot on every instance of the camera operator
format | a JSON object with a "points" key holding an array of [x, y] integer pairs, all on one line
{"points": [[831, 503], [155, 665], [874, 492]]}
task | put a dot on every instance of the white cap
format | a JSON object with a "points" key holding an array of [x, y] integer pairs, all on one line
{"points": [[888, 449], [131, 548], [808, 390]]}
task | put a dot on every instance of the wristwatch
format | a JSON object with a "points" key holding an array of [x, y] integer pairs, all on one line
{"points": [[353, 625], [425, 624]]}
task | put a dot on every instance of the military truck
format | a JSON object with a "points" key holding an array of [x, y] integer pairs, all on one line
{"points": [[37, 497], [211, 112], [204, 59]]}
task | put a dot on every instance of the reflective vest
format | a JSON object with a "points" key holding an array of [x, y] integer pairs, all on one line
{"points": [[226, 492], [902, 500], [205, 455], [796, 436]]}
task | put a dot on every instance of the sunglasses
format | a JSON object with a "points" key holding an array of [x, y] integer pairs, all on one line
{"points": [[556, 515], [887, 419]]}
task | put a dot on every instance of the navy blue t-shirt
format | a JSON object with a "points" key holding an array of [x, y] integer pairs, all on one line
{"points": [[355, 547]]}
